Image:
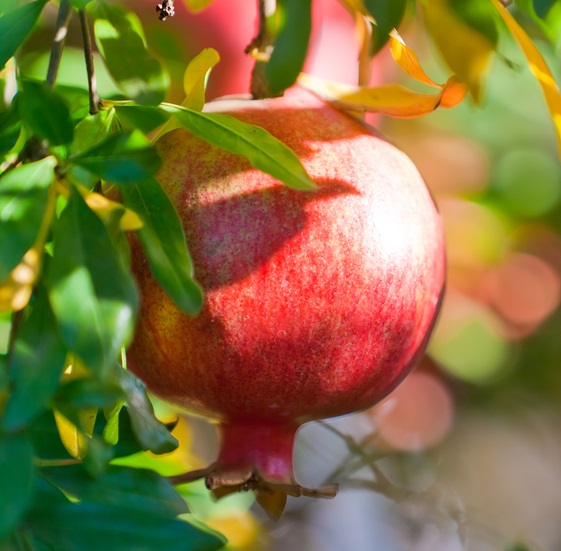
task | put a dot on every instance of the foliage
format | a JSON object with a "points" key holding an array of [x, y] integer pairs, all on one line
{"points": [[68, 406]]}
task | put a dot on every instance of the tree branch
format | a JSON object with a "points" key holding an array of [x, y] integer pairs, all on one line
{"points": [[88, 54], [59, 38]]}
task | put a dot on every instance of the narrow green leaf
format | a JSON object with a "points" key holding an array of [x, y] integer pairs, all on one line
{"points": [[123, 158], [164, 243], [15, 26], [388, 15], [118, 35], [291, 44], [264, 152], [151, 434], [45, 112], [10, 128], [121, 486], [92, 130], [16, 479], [23, 199], [118, 431], [36, 364], [92, 295]]}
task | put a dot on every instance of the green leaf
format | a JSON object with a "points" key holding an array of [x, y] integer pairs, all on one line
{"points": [[92, 295], [80, 4], [164, 243], [10, 128], [118, 431], [15, 26], [16, 479], [145, 119], [88, 392], [45, 112], [23, 199], [90, 524], [388, 15], [123, 158], [480, 15], [121, 486], [92, 130], [36, 364], [151, 434], [45, 438], [291, 44], [264, 152], [119, 37]]}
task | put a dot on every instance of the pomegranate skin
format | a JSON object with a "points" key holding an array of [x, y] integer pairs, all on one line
{"points": [[317, 303]]}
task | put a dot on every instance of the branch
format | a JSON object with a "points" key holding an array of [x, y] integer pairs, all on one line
{"points": [[88, 54], [59, 38]]}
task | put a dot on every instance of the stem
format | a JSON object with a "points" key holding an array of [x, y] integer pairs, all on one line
{"points": [[59, 38], [365, 33], [260, 47], [88, 54]]}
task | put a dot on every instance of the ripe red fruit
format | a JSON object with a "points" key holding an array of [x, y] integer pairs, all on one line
{"points": [[317, 303]]}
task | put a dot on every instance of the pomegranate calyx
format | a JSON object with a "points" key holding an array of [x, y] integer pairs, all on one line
{"points": [[270, 494]]}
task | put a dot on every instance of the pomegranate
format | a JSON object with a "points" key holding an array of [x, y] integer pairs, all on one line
{"points": [[317, 303]]}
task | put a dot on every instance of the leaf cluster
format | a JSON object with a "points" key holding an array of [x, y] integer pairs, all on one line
{"points": [[78, 183]]}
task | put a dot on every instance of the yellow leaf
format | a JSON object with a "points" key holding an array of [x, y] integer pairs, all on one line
{"points": [[466, 51], [391, 99], [104, 207], [16, 289], [407, 59], [195, 77], [197, 5], [74, 439], [538, 66], [194, 84]]}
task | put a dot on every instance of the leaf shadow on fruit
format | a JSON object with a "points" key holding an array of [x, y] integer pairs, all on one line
{"points": [[232, 238]]}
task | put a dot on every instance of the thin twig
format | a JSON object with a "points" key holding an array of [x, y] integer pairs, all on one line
{"points": [[364, 59], [59, 38], [88, 54]]}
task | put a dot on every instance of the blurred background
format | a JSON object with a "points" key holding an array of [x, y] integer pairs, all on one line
{"points": [[466, 453]]}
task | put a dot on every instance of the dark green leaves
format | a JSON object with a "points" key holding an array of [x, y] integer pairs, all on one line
{"points": [[16, 479], [45, 113], [36, 364], [123, 158], [263, 151], [135, 488], [93, 296], [120, 40], [130, 509], [164, 243], [291, 44], [388, 15], [149, 432], [23, 198], [15, 25]]}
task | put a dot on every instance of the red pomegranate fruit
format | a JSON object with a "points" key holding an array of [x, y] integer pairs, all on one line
{"points": [[317, 303]]}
